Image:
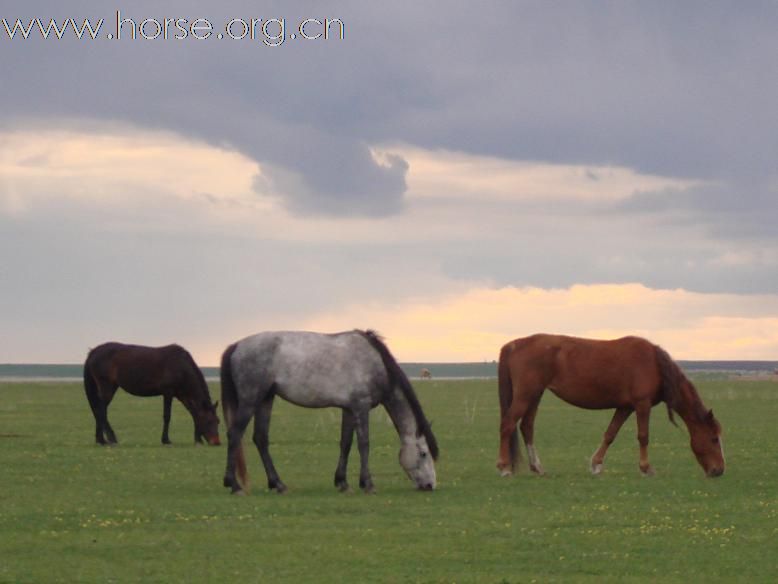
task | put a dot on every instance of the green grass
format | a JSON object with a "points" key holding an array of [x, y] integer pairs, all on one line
{"points": [[71, 511]]}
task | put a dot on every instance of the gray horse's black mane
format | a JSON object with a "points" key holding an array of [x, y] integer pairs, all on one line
{"points": [[397, 377]]}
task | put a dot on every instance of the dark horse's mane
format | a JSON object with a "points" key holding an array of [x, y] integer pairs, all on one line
{"points": [[197, 371], [672, 382], [397, 377]]}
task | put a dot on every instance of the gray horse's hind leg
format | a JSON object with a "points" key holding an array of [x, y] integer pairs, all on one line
{"points": [[363, 443], [234, 436], [262, 440], [346, 439]]}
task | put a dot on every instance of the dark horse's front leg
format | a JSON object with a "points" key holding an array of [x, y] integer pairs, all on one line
{"points": [[363, 443], [346, 439], [167, 402]]}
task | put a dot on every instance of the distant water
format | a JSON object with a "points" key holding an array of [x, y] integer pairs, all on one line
{"points": [[481, 370]]}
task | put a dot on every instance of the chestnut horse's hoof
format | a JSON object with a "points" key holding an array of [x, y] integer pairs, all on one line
{"points": [[647, 472]]}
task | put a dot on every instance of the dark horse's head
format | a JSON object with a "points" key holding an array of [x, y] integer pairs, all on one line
{"points": [[206, 421], [197, 400]]}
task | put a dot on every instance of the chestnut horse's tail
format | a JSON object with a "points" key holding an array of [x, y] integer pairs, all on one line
{"points": [[505, 388], [671, 378], [230, 407]]}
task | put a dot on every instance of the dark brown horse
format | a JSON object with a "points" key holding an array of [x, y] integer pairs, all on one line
{"points": [[148, 371], [629, 374]]}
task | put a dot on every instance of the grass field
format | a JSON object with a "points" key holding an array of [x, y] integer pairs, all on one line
{"points": [[71, 511]]}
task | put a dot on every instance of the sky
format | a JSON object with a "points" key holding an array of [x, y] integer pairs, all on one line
{"points": [[454, 175]]}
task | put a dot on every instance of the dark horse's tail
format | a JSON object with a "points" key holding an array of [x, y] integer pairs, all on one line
{"points": [[505, 390], [230, 407], [671, 379], [397, 378], [90, 385]]}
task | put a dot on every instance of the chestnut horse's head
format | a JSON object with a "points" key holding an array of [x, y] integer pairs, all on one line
{"points": [[706, 444]]}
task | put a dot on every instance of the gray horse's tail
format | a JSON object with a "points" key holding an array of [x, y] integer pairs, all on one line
{"points": [[397, 378], [230, 407]]}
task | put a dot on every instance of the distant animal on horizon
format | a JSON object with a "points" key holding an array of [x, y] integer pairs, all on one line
{"points": [[168, 371], [629, 374], [425, 373], [351, 370]]}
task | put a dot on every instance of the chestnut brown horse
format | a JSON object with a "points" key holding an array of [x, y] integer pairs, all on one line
{"points": [[148, 371], [628, 374]]}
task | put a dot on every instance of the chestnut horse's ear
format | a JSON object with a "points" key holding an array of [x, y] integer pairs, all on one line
{"points": [[710, 417], [216, 404]]}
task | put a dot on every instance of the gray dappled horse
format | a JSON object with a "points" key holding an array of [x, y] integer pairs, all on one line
{"points": [[351, 370]]}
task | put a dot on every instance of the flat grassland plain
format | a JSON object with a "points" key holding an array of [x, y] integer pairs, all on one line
{"points": [[71, 511]]}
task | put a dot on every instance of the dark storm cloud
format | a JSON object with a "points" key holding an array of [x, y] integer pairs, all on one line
{"points": [[668, 88], [676, 89], [744, 210]]}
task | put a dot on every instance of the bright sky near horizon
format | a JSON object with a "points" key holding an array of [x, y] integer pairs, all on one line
{"points": [[453, 177]]}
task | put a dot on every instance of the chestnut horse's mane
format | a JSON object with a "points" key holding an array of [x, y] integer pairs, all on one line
{"points": [[673, 381]]}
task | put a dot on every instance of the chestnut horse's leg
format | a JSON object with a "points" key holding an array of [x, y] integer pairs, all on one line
{"points": [[518, 407], [528, 431], [522, 401], [262, 440], [167, 402], [346, 438], [643, 411], [619, 417], [362, 419]]}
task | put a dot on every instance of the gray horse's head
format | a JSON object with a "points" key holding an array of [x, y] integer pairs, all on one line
{"points": [[416, 459]]}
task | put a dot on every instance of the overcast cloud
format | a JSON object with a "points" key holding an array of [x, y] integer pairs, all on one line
{"points": [[198, 191]]}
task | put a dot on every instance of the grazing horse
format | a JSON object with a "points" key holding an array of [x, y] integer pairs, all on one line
{"points": [[352, 370], [629, 374], [147, 371]]}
